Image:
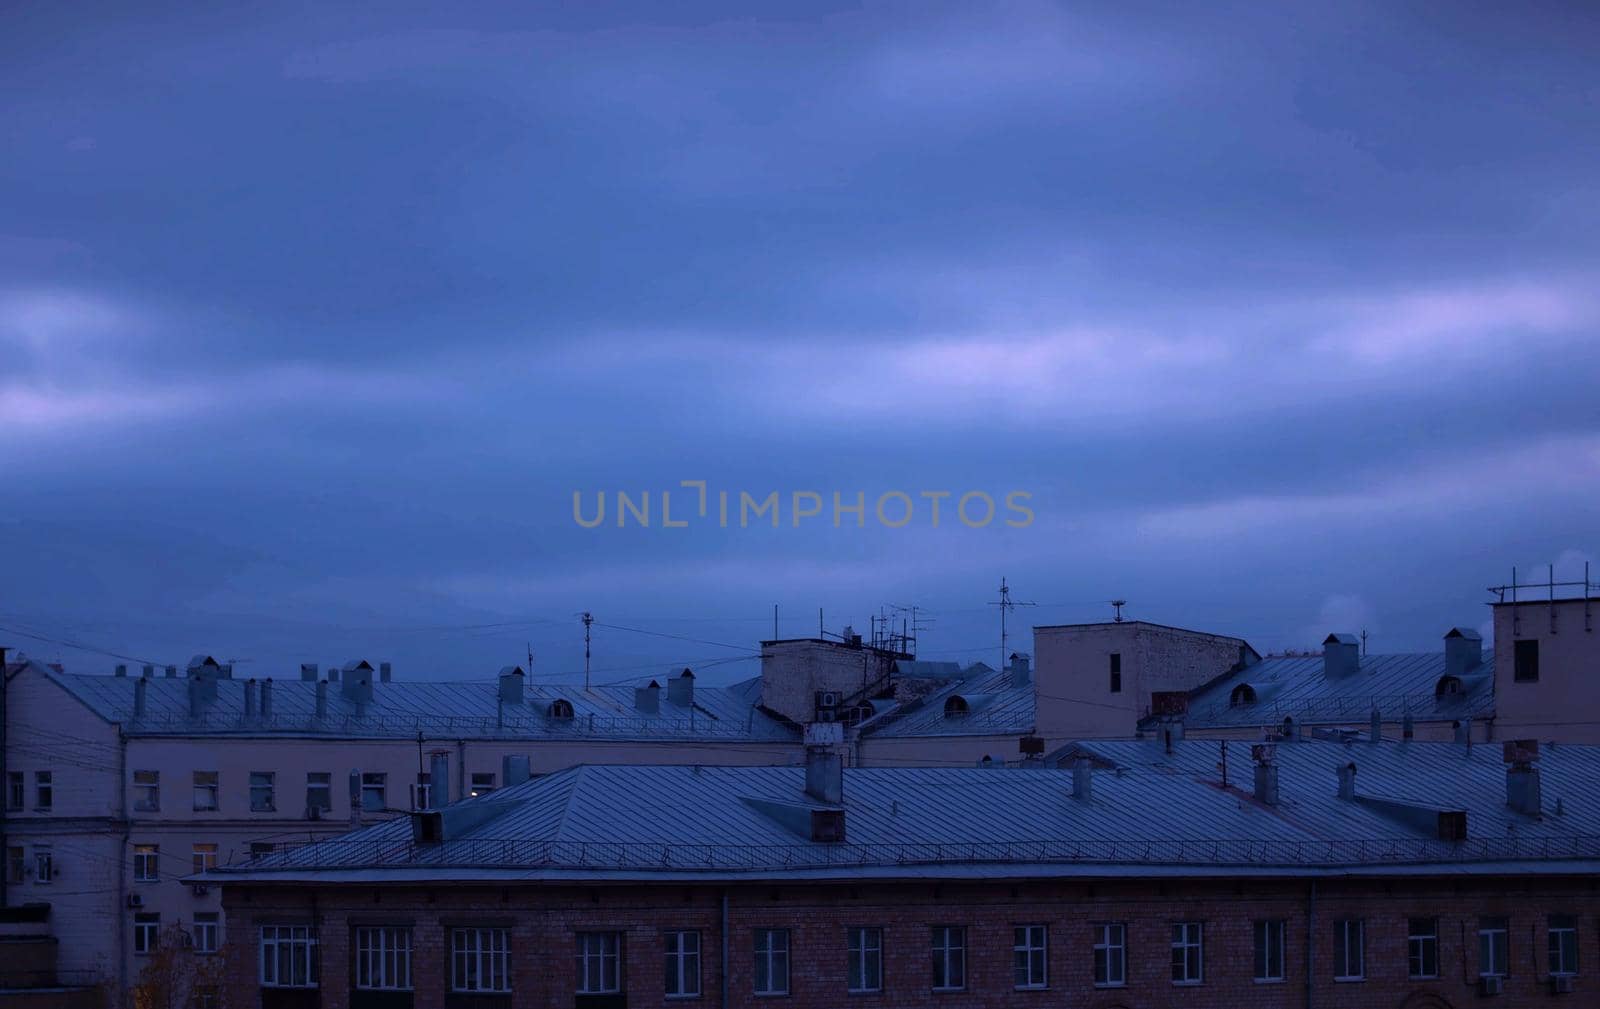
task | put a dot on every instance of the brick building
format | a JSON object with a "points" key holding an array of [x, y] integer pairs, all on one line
{"points": [[1423, 875]]}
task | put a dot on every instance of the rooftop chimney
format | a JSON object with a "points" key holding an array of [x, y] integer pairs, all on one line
{"points": [[680, 689], [149, 671], [250, 697], [511, 679], [1408, 728], [322, 698], [1522, 776], [1263, 754], [1463, 730], [139, 688], [1347, 781], [385, 672], [357, 681], [121, 670], [333, 672], [824, 764], [438, 780], [308, 672], [197, 699], [1341, 656], [1021, 670], [1082, 779], [203, 673], [513, 769], [1375, 730], [648, 699], [1463, 651], [266, 698]]}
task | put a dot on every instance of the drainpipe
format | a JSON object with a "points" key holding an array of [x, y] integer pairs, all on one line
{"points": [[5, 746], [461, 769], [122, 864], [722, 965], [1311, 938]]}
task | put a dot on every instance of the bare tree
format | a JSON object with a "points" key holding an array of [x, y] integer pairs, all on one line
{"points": [[176, 977]]}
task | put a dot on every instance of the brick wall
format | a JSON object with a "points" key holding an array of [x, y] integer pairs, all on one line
{"points": [[545, 922]]}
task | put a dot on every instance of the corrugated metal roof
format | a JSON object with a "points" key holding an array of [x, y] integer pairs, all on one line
{"points": [[994, 707], [1296, 687], [447, 708], [1155, 808]]}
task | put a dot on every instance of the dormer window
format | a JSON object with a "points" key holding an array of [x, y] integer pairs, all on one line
{"points": [[956, 706], [1244, 693], [1449, 686], [561, 708]]}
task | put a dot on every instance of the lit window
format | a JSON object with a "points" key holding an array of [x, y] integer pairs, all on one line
{"points": [[683, 964], [1028, 956], [1422, 948], [207, 931], [1188, 953], [1269, 942], [949, 957], [147, 791], [1110, 955], [1494, 947], [146, 863], [482, 783], [146, 933], [599, 963], [205, 857], [1563, 945], [262, 792], [288, 956], [480, 960], [772, 961], [383, 958], [866, 959], [373, 784], [205, 791], [44, 790], [319, 792], [1349, 950]]}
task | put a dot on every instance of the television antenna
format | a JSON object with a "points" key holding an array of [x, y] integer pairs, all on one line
{"points": [[1006, 604]]}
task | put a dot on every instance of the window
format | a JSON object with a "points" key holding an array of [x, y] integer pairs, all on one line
{"points": [[44, 863], [1525, 661], [44, 790], [482, 783], [1422, 948], [1116, 672], [865, 967], [1563, 945], [1188, 961], [319, 791], [261, 792], [372, 791], [383, 958], [949, 957], [146, 933], [1349, 950], [16, 864], [288, 956], [205, 791], [772, 961], [146, 863], [683, 964], [261, 849], [1028, 958], [1494, 947], [1269, 936], [15, 790], [479, 958], [147, 791], [1110, 955], [599, 960], [204, 857], [421, 794], [207, 931]]}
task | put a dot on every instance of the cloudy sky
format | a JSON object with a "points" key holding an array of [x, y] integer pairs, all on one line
{"points": [[313, 320]]}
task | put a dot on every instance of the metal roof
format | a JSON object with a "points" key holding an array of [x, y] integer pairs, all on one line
{"points": [[1153, 809], [402, 708], [1297, 688], [994, 708]]}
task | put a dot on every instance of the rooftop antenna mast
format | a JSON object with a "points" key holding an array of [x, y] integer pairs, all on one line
{"points": [[1006, 604], [1118, 604], [588, 620]]}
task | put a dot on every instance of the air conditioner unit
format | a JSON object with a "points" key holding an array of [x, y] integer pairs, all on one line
{"points": [[200, 889], [1561, 984], [136, 900], [1491, 984], [827, 699]]}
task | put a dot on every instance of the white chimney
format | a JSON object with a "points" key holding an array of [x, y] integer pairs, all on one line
{"points": [[1341, 656]]}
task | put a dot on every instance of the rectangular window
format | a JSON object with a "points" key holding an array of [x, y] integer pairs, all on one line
{"points": [[865, 968], [146, 863], [480, 959], [1110, 955], [319, 792], [146, 791], [383, 958], [1563, 945], [949, 957], [16, 790], [373, 784], [1494, 947], [772, 961], [44, 863], [262, 797], [146, 933], [205, 791], [205, 857], [207, 931], [1525, 661], [1028, 956], [1422, 948], [16, 864], [288, 956], [599, 963], [261, 849], [1269, 941], [683, 964], [421, 794], [1188, 952], [1116, 672], [1349, 950], [482, 783], [44, 790]]}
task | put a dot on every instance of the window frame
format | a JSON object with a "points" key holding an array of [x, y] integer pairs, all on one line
{"points": [[374, 783], [1421, 945], [764, 947], [480, 783], [146, 933], [44, 864], [147, 791], [1104, 948], [1343, 930], [382, 958], [206, 925], [1565, 925], [147, 863], [949, 947], [263, 791], [207, 795], [203, 855], [863, 948], [1116, 672], [1525, 660], [1488, 928], [44, 791], [496, 955], [1267, 933], [16, 791], [598, 953], [1030, 947], [292, 945], [325, 786], [1188, 936], [677, 959]]}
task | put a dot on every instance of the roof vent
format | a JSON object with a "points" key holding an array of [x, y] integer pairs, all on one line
{"points": [[250, 698], [308, 672], [1341, 656], [511, 680], [266, 698], [139, 688], [824, 764], [1347, 781], [172, 672], [1463, 651], [122, 669], [1082, 779], [1263, 755], [647, 699], [1522, 776], [322, 698], [680, 689]]}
